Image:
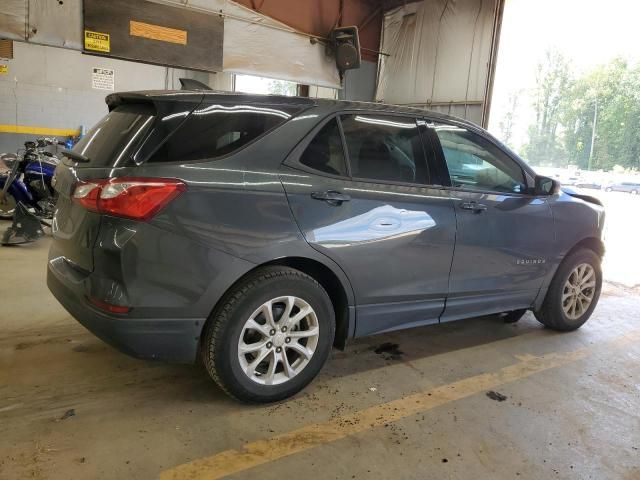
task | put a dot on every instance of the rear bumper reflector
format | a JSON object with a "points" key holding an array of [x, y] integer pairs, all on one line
{"points": [[108, 307]]}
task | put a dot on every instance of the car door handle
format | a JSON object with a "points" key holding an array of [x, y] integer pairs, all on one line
{"points": [[475, 207], [331, 197]]}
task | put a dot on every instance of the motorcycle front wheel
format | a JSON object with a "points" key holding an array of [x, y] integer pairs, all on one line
{"points": [[7, 206]]}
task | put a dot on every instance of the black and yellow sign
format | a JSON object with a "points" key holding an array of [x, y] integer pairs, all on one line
{"points": [[97, 42], [4, 69]]}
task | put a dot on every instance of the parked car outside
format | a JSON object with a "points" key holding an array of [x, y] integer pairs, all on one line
{"points": [[629, 187], [589, 185], [570, 181], [256, 232]]}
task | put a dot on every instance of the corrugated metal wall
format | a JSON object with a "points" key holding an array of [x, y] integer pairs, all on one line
{"points": [[442, 54]]}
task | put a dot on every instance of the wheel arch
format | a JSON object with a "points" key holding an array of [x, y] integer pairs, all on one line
{"points": [[592, 243], [340, 294]]}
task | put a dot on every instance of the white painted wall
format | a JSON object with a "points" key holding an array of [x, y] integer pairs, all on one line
{"points": [[51, 87]]}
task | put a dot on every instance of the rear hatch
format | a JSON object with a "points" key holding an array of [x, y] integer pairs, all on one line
{"points": [[105, 147], [142, 130]]}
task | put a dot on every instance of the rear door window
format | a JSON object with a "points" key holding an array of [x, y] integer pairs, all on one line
{"points": [[385, 148], [325, 152], [112, 140], [213, 131]]}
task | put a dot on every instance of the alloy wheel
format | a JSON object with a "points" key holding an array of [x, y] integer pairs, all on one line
{"points": [[278, 340], [578, 291]]}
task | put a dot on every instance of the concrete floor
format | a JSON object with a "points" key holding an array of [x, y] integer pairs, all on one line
{"points": [[572, 408]]}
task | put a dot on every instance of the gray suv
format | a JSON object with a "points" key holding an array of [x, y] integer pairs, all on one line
{"points": [[256, 232], [629, 187]]}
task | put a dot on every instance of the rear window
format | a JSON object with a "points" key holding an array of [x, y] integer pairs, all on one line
{"points": [[112, 140], [325, 152], [213, 131]]}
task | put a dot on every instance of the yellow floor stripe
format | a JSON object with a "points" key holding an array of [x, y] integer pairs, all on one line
{"points": [[46, 131], [263, 451]]}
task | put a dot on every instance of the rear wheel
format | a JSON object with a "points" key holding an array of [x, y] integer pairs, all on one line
{"points": [[573, 293], [634, 192], [270, 336], [7, 206]]}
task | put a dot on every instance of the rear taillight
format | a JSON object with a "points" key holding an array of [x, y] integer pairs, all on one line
{"points": [[87, 193], [134, 198]]}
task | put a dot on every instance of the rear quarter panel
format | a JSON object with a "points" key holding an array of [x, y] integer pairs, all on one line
{"points": [[233, 217]]}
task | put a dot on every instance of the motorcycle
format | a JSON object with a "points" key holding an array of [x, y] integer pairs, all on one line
{"points": [[27, 194]]}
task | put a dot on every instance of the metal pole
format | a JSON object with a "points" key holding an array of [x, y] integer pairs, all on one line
{"points": [[593, 134]]}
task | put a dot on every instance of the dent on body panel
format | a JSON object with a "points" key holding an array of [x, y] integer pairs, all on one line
{"points": [[156, 270], [575, 220]]}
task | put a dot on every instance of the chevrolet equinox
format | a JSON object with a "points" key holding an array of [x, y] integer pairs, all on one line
{"points": [[256, 232]]}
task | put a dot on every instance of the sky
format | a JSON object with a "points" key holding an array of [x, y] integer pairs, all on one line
{"points": [[588, 32]]}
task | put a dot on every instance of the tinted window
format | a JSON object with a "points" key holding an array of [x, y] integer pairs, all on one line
{"points": [[478, 164], [215, 130], [384, 148], [112, 140], [325, 152]]}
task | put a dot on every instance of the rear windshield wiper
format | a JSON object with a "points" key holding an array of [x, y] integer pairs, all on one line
{"points": [[78, 157]]}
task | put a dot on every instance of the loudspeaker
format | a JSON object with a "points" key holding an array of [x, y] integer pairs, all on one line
{"points": [[346, 47]]}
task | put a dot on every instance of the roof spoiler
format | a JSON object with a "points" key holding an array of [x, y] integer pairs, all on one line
{"points": [[191, 84]]}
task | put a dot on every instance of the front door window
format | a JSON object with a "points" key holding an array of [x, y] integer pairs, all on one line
{"points": [[474, 163]]}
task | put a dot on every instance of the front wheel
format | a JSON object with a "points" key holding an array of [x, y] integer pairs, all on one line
{"points": [[573, 293], [270, 335], [7, 206]]}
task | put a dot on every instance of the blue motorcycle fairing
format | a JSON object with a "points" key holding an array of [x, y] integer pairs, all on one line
{"points": [[37, 168], [18, 190]]}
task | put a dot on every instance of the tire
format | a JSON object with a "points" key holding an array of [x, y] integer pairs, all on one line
{"points": [[228, 328], [7, 207], [513, 316], [552, 314]]}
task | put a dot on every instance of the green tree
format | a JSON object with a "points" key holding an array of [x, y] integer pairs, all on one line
{"points": [[552, 83], [282, 87], [508, 119], [609, 97]]}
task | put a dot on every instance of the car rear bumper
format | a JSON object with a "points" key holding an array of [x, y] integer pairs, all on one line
{"points": [[168, 339]]}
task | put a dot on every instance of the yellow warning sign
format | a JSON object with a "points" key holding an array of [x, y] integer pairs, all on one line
{"points": [[157, 32], [97, 42], [4, 69]]}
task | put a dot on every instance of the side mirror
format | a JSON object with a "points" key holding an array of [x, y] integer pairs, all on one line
{"points": [[546, 186]]}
